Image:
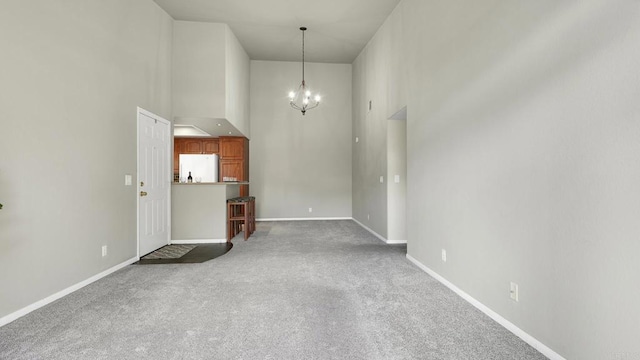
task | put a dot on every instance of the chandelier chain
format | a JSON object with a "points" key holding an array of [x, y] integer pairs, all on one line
{"points": [[302, 99]]}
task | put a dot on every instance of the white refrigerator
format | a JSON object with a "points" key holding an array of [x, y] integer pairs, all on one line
{"points": [[202, 167]]}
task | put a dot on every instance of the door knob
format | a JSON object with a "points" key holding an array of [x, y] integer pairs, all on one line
{"points": [[143, 193]]}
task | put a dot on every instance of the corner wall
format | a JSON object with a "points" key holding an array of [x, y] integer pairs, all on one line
{"points": [[237, 69], [199, 72], [72, 74], [523, 140], [300, 162], [379, 92]]}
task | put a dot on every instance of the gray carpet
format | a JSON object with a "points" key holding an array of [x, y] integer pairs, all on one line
{"points": [[294, 290]]}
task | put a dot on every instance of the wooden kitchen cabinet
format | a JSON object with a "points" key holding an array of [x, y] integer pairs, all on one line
{"points": [[232, 169], [210, 146], [192, 146], [195, 146], [232, 148], [233, 152], [234, 160]]}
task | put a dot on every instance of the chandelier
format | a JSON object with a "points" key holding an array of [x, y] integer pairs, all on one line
{"points": [[302, 99]]}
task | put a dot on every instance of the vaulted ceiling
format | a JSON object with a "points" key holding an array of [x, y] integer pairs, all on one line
{"points": [[269, 29]]}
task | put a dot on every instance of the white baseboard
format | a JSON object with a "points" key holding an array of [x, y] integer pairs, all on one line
{"points": [[545, 350], [37, 305], [378, 235], [304, 219], [338, 218], [391, 242], [198, 241]]}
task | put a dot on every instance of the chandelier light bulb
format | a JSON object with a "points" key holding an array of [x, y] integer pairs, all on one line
{"points": [[302, 99]]}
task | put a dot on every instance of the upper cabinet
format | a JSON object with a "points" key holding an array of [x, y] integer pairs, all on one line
{"points": [[210, 74], [192, 146], [232, 148]]}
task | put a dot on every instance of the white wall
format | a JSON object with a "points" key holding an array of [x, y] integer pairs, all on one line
{"points": [[300, 162], [210, 77], [379, 75], [522, 159], [237, 68], [199, 74], [71, 76], [397, 191], [199, 212]]}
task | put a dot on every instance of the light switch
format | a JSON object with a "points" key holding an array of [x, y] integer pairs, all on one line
{"points": [[381, 179], [127, 180], [397, 179], [513, 292]]}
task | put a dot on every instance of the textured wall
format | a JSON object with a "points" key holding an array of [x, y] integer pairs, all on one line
{"points": [[379, 91], [199, 212], [71, 76], [199, 69], [237, 67], [300, 162], [397, 191], [522, 159]]}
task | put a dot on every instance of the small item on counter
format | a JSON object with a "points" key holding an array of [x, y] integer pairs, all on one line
{"points": [[189, 178]]}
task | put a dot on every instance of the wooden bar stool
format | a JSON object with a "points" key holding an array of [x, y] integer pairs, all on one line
{"points": [[240, 211], [252, 213]]}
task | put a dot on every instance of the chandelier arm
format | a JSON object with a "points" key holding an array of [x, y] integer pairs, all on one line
{"points": [[312, 106]]}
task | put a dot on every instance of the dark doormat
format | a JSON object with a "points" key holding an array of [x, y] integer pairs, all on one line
{"points": [[169, 252], [199, 254]]}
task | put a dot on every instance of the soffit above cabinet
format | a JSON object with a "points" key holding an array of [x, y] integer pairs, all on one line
{"points": [[190, 127], [210, 79]]}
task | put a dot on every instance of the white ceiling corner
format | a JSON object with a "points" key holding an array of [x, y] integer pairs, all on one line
{"points": [[269, 30]]}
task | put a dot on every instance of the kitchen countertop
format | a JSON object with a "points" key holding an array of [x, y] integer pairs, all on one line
{"points": [[214, 183]]}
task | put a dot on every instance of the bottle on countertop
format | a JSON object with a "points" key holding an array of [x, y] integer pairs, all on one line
{"points": [[189, 179]]}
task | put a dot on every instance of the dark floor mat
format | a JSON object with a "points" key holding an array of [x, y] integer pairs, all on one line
{"points": [[199, 254]]}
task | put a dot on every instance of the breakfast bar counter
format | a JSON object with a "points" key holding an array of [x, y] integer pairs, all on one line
{"points": [[199, 211]]}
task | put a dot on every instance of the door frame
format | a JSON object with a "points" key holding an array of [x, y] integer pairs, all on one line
{"points": [[141, 111]]}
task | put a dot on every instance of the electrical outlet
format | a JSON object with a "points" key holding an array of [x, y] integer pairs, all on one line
{"points": [[444, 255], [104, 250], [513, 292], [396, 178], [310, 209]]}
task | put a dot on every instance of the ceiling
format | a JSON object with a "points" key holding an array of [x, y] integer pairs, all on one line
{"points": [[269, 30]]}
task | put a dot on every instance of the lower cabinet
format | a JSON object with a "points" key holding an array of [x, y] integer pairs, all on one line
{"points": [[234, 160], [232, 169]]}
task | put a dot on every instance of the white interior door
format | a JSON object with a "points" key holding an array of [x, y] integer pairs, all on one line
{"points": [[154, 182]]}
